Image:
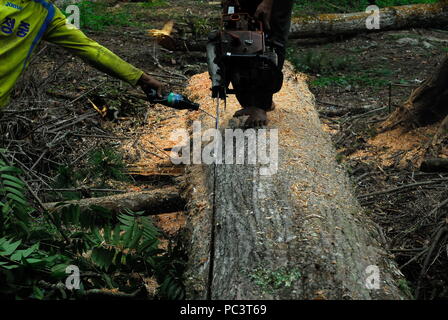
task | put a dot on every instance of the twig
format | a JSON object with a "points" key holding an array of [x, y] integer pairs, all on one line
{"points": [[436, 240], [99, 136], [87, 92], [439, 206], [150, 152], [163, 151], [83, 189], [407, 186], [38, 160]]}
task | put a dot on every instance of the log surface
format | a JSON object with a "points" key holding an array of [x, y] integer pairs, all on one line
{"points": [[298, 234]]}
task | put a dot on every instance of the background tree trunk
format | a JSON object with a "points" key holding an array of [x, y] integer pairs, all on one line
{"points": [[330, 25], [298, 234], [391, 18], [427, 104]]}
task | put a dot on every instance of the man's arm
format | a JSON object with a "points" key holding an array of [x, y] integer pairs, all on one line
{"points": [[73, 39]]}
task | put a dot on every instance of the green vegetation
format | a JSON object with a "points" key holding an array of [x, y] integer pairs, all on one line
{"points": [[363, 80], [403, 285], [105, 163], [103, 166], [319, 62], [341, 6], [154, 3], [337, 71], [271, 280], [37, 246], [96, 15]]}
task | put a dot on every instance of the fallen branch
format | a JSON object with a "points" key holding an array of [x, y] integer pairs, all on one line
{"points": [[404, 187], [151, 202]]}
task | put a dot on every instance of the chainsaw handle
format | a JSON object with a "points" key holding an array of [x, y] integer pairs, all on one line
{"points": [[152, 96]]}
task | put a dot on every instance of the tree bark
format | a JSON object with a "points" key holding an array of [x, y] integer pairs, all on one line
{"points": [[297, 234], [152, 202], [391, 18]]}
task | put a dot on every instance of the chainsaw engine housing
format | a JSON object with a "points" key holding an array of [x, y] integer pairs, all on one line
{"points": [[241, 54]]}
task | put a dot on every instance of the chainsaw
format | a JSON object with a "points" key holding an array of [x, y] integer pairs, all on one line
{"points": [[241, 53]]}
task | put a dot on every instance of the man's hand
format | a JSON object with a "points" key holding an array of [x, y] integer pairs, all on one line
{"points": [[264, 12], [147, 83]]}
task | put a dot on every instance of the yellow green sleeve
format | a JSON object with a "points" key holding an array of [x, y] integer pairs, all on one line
{"points": [[73, 39]]}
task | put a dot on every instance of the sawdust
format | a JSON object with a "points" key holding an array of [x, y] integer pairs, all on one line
{"points": [[152, 147], [397, 147], [170, 223]]}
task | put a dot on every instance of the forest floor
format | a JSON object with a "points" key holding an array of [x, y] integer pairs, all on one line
{"points": [[349, 73], [357, 83]]}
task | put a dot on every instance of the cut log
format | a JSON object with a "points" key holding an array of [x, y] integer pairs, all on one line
{"points": [[296, 234], [330, 25], [152, 202]]}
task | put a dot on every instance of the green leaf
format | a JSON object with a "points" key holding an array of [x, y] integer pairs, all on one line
{"points": [[9, 177], [17, 256], [6, 208], [38, 293], [34, 262], [9, 248], [17, 199], [107, 233], [102, 257], [58, 271], [16, 192], [117, 234], [13, 184], [31, 249], [128, 236], [135, 239], [2, 241], [9, 169]]}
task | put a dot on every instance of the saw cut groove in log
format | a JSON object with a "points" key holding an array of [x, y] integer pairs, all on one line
{"points": [[297, 234], [152, 202]]}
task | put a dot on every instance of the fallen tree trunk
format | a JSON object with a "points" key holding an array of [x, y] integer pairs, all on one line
{"points": [[330, 25], [152, 202], [390, 18], [296, 234]]}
